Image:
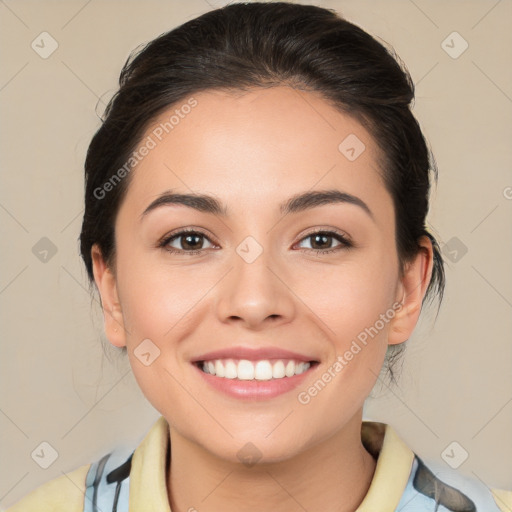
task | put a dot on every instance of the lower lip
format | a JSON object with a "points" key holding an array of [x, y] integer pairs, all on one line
{"points": [[255, 389]]}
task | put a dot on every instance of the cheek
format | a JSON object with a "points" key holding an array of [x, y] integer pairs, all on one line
{"points": [[157, 292], [160, 308], [158, 303], [350, 297], [352, 304]]}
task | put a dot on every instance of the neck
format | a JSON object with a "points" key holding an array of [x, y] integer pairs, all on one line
{"points": [[331, 476]]}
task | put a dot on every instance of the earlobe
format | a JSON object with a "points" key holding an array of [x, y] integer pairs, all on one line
{"points": [[107, 287], [414, 286]]}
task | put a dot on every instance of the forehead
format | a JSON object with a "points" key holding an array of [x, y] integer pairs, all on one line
{"points": [[256, 147]]}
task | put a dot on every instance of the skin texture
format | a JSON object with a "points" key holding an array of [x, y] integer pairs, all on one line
{"points": [[254, 151]]}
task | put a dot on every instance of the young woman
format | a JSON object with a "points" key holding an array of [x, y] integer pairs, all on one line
{"points": [[254, 222]]}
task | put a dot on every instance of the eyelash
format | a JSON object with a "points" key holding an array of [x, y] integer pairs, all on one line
{"points": [[345, 242]]}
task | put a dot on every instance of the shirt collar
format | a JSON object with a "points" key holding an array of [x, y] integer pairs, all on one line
{"points": [[393, 468], [148, 475]]}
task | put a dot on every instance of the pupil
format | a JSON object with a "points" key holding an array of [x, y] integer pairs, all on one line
{"points": [[188, 237], [323, 237]]}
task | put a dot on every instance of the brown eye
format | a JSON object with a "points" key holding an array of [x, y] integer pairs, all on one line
{"points": [[188, 241], [322, 242]]}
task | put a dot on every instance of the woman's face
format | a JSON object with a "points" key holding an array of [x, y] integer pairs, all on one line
{"points": [[255, 280]]}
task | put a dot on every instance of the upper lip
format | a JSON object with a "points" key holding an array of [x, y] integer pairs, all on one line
{"points": [[252, 354]]}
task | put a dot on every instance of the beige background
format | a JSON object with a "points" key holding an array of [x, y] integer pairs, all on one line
{"points": [[58, 387]]}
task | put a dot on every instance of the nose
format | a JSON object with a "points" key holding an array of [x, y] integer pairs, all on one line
{"points": [[255, 294]]}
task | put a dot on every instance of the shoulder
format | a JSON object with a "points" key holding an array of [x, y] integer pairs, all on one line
{"points": [[421, 485], [101, 485], [105, 484], [432, 484], [62, 494]]}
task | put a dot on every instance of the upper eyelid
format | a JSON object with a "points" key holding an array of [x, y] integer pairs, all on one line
{"points": [[167, 238]]}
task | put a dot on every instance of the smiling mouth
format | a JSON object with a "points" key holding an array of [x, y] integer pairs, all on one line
{"points": [[244, 369]]}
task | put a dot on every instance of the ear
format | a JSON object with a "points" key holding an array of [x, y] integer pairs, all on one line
{"points": [[413, 287], [107, 287]]}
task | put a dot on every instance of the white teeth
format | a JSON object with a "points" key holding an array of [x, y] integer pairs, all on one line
{"points": [[219, 369], [244, 369], [290, 369], [278, 370], [230, 368], [263, 370]]}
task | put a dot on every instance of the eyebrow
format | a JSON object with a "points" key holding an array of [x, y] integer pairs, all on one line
{"points": [[295, 204]]}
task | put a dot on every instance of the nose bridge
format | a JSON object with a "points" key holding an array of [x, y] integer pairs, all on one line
{"points": [[253, 292]]}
